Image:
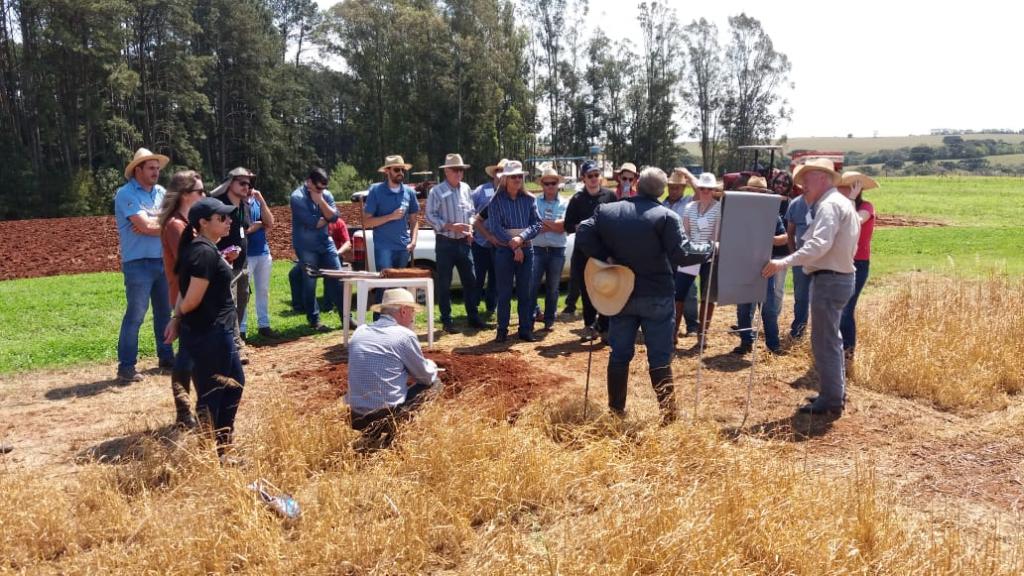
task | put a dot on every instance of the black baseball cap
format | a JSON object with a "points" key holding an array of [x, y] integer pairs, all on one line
{"points": [[205, 209]]}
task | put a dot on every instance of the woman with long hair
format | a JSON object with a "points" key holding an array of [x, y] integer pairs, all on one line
{"points": [[204, 316], [853, 185], [185, 189]]}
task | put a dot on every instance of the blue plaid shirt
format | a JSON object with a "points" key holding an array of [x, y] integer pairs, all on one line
{"points": [[381, 358], [447, 205]]}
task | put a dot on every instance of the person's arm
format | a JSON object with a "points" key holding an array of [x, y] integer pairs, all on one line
{"points": [[817, 240], [301, 215], [480, 226], [571, 216], [534, 224], [791, 236], [587, 239], [369, 220], [325, 201], [414, 231], [434, 215], [501, 237], [420, 368], [677, 245], [196, 290], [266, 216], [144, 224]]}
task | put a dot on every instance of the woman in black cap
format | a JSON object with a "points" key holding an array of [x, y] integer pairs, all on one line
{"points": [[205, 318]]}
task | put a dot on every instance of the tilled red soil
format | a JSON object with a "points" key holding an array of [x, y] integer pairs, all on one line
{"points": [[55, 246]]}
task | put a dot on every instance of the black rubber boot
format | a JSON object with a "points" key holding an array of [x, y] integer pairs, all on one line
{"points": [[180, 384], [618, 379], [664, 389]]}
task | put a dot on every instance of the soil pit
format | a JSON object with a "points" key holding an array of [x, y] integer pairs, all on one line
{"points": [[506, 379]]}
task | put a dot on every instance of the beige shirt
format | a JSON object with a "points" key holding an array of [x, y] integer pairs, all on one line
{"points": [[831, 240]]}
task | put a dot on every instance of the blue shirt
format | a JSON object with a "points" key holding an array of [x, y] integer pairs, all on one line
{"points": [[380, 201], [381, 358], [553, 210], [679, 206], [798, 214], [481, 198], [132, 199], [504, 214], [447, 205], [257, 240], [305, 215]]}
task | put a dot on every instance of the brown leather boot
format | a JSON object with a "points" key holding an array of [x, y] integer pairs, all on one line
{"points": [[180, 384], [664, 389]]}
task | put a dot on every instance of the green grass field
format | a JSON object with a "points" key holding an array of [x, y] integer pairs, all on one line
{"points": [[64, 321]]}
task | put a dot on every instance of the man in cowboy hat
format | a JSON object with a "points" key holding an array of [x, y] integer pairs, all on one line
{"points": [[382, 356], [686, 288], [626, 177], [313, 209], [646, 242], [549, 245], [827, 257], [582, 206], [390, 211], [483, 247], [450, 211], [136, 207], [234, 191]]}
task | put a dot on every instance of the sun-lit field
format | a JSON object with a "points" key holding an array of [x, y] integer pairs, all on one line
{"points": [[865, 143]]}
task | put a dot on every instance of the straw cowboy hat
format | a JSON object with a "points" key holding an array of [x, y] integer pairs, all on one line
{"points": [[143, 155], [608, 286], [707, 180], [628, 167], [392, 162], [550, 173], [512, 168], [678, 178], [757, 182], [453, 161], [816, 165], [492, 170], [866, 182], [396, 297]]}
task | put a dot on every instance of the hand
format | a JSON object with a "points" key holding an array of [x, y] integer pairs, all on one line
{"points": [[398, 213], [469, 238], [461, 228], [771, 268], [411, 247], [516, 242], [855, 189], [231, 256], [518, 256], [171, 332], [321, 223], [316, 196], [259, 197]]}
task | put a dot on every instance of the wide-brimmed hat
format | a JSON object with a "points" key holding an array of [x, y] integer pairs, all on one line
{"points": [[453, 161], [206, 208], [512, 168], [866, 182], [493, 169], [757, 182], [678, 178], [608, 285], [392, 162], [816, 165], [144, 155], [707, 180], [397, 297], [239, 172], [550, 173], [627, 167]]}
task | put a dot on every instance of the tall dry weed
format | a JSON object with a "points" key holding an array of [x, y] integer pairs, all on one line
{"points": [[465, 493], [956, 343]]}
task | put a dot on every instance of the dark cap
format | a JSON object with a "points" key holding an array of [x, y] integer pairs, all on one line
{"points": [[205, 209], [588, 166]]}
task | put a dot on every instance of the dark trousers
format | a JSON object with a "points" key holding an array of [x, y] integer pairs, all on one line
{"points": [[218, 376], [413, 399], [455, 254], [483, 268]]}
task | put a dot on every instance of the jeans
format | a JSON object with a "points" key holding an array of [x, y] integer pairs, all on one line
{"points": [[259, 270], [455, 254], [326, 259], [769, 319], [801, 301], [144, 281], [506, 270], [483, 269], [829, 294], [686, 292], [780, 288], [547, 264], [655, 315], [848, 323], [215, 357]]}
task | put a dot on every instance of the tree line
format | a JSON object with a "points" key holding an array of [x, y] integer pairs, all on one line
{"points": [[280, 85]]}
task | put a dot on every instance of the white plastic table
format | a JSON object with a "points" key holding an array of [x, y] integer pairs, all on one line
{"points": [[363, 287]]}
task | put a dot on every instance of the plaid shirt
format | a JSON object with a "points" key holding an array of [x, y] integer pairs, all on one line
{"points": [[381, 358]]}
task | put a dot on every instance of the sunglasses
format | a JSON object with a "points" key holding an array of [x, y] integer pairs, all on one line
{"points": [[200, 190], [549, 183], [398, 170], [626, 179], [319, 187], [593, 175], [515, 177], [244, 183], [221, 217]]}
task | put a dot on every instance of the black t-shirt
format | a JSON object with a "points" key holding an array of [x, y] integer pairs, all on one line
{"points": [[236, 236], [582, 206], [203, 260], [782, 251]]}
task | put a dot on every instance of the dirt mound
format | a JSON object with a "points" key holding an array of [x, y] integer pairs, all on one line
{"points": [[55, 246], [896, 221], [506, 379]]}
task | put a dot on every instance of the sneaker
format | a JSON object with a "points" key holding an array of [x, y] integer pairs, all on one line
{"points": [[266, 332], [126, 377]]}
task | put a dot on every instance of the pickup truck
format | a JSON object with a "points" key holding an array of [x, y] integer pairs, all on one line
{"points": [[423, 256]]}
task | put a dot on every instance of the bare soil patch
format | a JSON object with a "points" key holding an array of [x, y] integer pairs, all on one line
{"points": [[897, 221]]}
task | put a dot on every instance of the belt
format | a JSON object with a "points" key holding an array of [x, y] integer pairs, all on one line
{"points": [[830, 273]]}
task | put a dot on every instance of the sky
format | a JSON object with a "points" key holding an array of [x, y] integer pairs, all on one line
{"points": [[886, 68]]}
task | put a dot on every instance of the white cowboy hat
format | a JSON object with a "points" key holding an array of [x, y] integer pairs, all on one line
{"points": [[393, 161], [816, 165], [492, 170], [608, 286], [866, 182], [143, 155], [453, 161], [512, 168], [397, 297], [707, 180]]}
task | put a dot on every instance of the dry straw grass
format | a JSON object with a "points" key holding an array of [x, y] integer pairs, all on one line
{"points": [[466, 493], [956, 343]]}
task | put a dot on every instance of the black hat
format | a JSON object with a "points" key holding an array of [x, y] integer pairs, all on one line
{"points": [[206, 208]]}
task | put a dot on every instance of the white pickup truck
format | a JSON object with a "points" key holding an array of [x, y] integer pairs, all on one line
{"points": [[423, 256]]}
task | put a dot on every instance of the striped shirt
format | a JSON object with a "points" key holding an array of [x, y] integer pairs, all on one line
{"points": [[481, 197], [381, 358], [702, 228], [448, 205], [504, 213]]}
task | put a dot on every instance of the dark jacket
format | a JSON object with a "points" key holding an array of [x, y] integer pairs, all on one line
{"points": [[644, 236], [582, 205]]}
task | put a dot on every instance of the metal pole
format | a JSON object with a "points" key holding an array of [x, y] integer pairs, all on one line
{"points": [[586, 389]]}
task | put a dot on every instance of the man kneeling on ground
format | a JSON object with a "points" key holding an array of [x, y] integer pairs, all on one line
{"points": [[382, 356]]}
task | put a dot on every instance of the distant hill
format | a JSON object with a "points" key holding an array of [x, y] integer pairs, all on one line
{"points": [[868, 145]]}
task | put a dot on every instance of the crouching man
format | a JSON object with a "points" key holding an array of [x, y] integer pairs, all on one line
{"points": [[382, 356], [646, 242]]}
